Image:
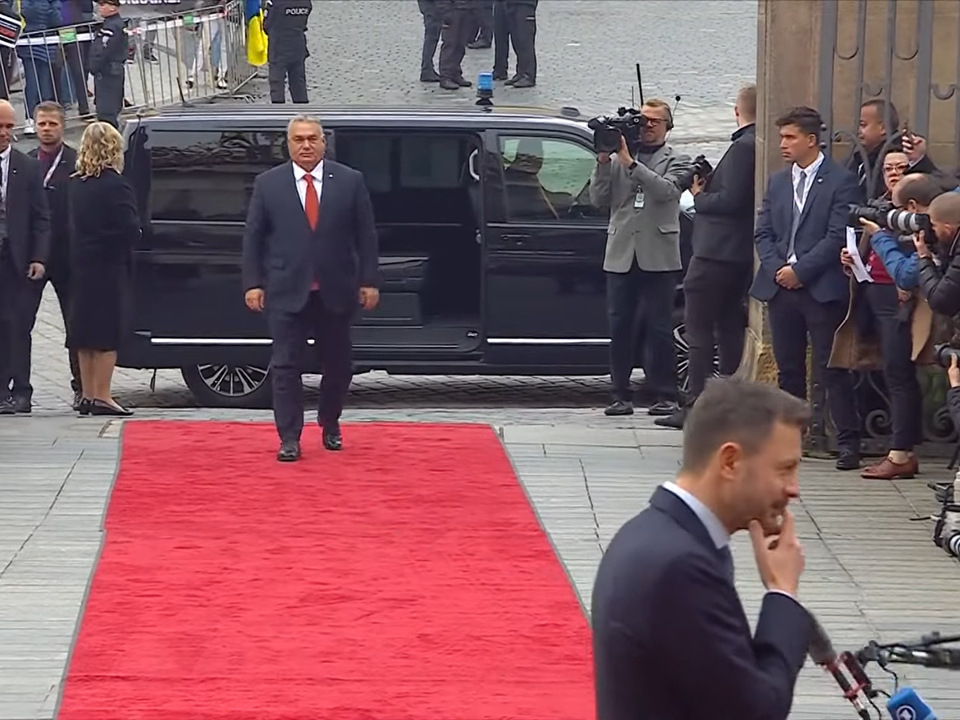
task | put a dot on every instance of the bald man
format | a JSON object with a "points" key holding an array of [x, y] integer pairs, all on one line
{"points": [[24, 245], [942, 287]]}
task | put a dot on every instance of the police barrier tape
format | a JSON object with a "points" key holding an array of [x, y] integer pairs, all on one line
{"points": [[173, 58]]}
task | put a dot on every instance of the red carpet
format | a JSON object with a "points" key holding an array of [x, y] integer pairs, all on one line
{"points": [[405, 578]]}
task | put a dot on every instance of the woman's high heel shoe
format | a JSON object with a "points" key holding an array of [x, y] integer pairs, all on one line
{"points": [[84, 406], [99, 407]]}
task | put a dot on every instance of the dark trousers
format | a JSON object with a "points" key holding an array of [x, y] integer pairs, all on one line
{"points": [[19, 300], [648, 295], [522, 22], [290, 331], [482, 27], [6, 72], [108, 96], [455, 35], [794, 314], [892, 323], [280, 72], [501, 39], [715, 316], [76, 55], [432, 24]]}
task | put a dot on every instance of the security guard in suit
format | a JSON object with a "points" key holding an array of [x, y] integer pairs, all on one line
{"points": [[285, 23], [108, 53]]}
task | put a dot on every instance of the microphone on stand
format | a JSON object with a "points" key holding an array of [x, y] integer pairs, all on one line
{"points": [[822, 653]]}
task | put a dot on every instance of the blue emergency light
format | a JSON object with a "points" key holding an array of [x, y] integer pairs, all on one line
{"points": [[485, 89]]}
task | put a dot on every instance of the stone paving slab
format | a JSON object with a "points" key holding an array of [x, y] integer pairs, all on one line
{"points": [[870, 573]]}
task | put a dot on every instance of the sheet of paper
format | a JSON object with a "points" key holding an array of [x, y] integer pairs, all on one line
{"points": [[859, 270]]}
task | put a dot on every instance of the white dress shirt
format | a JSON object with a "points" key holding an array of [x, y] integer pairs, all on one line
{"points": [[800, 198], [4, 172], [317, 176]]}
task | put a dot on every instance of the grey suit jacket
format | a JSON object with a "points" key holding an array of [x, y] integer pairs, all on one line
{"points": [[651, 234]]}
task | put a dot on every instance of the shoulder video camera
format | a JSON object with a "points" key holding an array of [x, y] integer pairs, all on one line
{"points": [[628, 123]]}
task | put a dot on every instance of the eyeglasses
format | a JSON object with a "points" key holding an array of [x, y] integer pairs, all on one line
{"points": [[898, 168], [653, 120]]}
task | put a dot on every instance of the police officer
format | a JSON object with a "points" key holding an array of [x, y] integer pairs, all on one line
{"points": [[456, 33], [108, 53], [285, 22], [522, 28]]}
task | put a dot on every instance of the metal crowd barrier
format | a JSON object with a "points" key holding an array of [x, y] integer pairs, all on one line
{"points": [[172, 59]]}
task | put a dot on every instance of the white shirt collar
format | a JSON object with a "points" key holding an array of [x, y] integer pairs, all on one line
{"points": [[5, 155], [299, 173], [811, 170], [718, 533]]}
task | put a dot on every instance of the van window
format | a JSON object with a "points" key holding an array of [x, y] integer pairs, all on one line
{"points": [[207, 176], [546, 178]]}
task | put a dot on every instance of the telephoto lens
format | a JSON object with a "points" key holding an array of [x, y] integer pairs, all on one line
{"points": [[952, 545], [943, 353]]}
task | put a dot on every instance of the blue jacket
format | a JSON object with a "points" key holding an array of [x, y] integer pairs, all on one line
{"points": [[40, 15], [900, 265]]}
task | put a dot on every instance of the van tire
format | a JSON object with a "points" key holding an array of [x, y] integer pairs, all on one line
{"points": [[229, 386]]}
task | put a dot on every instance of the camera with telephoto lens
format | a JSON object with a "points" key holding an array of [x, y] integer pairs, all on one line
{"points": [[943, 353], [608, 129], [946, 530], [901, 221], [701, 168]]}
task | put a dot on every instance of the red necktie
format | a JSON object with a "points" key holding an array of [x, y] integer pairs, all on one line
{"points": [[311, 204]]}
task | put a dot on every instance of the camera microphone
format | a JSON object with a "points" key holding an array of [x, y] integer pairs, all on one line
{"points": [[822, 653]]}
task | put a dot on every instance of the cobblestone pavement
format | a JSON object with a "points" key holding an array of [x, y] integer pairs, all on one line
{"points": [[871, 574]]}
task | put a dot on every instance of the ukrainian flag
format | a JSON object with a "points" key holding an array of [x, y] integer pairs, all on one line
{"points": [[256, 37]]}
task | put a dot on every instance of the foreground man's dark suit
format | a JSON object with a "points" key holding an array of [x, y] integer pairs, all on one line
{"points": [[24, 239], [284, 257], [670, 638]]}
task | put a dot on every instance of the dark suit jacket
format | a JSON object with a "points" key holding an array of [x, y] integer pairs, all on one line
{"points": [[282, 255], [723, 224], [820, 237], [28, 214], [670, 638], [58, 199]]}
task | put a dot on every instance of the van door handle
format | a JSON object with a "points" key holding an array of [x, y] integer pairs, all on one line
{"points": [[516, 239]]}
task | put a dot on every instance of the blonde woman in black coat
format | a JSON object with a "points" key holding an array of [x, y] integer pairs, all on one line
{"points": [[106, 225]]}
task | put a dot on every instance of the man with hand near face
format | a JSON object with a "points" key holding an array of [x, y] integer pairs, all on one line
{"points": [[310, 259], [670, 638], [799, 234]]}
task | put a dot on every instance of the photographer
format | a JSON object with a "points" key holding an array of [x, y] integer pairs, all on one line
{"points": [[885, 327], [721, 269], [641, 186], [940, 285]]}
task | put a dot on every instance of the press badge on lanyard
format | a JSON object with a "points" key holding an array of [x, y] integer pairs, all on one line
{"points": [[53, 168], [638, 200]]}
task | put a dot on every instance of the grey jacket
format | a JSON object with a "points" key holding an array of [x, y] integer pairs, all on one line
{"points": [[651, 234]]}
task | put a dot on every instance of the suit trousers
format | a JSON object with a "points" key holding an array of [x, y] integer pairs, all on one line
{"points": [[715, 315], [522, 21], [893, 324], [794, 314], [501, 40], [281, 72], [641, 297], [456, 35], [19, 300], [432, 24], [290, 332]]}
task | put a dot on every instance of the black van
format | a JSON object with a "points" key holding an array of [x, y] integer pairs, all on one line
{"points": [[482, 272]]}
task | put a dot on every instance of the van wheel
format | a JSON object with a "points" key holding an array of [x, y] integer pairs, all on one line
{"points": [[683, 358], [232, 386]]}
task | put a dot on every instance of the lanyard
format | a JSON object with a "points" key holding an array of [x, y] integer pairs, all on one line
{"points": [[53, 168]]}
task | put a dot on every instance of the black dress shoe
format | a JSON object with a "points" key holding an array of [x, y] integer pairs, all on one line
{"points": [[449, 84], [332, 439], [513, 80], [500, 76], [525, 82], [99, 407], [674, 421], [15, 406], [429, 77], [663, 408], [848, 459], [619, 407], [463, 82], [289, 451]]}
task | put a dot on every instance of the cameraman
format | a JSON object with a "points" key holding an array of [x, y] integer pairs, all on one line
{"points": [[721, 269], [642, 258], [941, 284]]}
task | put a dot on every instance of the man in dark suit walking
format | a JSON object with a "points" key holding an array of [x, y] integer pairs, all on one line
{"points": [[310, 259], [670, 638], [58, 161], [800, 232], [24, 245]]}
